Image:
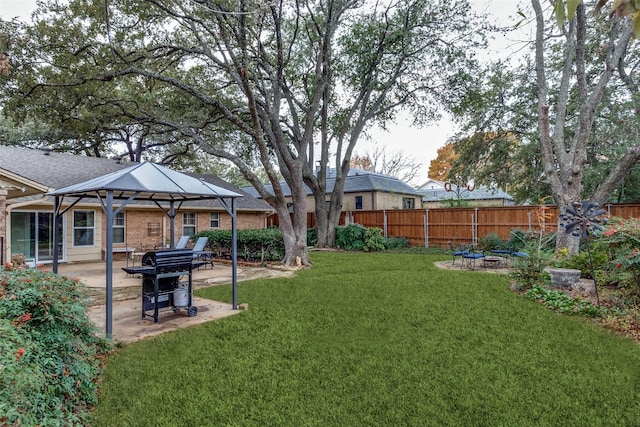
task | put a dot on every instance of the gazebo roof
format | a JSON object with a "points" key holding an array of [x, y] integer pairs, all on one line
{"points": [[147, 181]]}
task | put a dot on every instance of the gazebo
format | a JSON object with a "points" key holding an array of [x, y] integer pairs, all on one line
{"points": [[150, 182]]}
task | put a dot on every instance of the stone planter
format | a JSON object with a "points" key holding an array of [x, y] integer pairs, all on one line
{"points": [[564, 278]]}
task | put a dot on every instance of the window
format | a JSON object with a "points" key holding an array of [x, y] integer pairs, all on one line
{"points": [[358, 202], [408, 203], [118, 228], [188, 223], [215, 220], [83, 228]]}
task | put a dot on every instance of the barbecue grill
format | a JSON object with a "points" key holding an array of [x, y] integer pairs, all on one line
{"points": [[161, 281]]}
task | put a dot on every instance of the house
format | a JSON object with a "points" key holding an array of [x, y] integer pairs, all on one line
{"points": [[363, 190], [26, 213], [434, 193]]}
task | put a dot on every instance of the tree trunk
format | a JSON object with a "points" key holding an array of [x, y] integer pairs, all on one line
{"points": [[564, 156], [294, 234]]}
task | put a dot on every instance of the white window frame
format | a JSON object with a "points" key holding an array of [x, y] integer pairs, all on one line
{"points": [[214, 220], [119, 223], [89, 229], [189, 222]]}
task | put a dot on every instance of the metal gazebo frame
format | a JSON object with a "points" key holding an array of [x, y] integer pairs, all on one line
{"points": [[149, 182]]}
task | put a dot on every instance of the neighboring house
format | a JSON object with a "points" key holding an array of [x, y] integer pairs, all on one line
{"points": [[363, 190], [26, 214], [434, 193]]}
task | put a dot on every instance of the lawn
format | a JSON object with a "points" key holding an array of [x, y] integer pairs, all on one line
{"points": [[377, 339]]}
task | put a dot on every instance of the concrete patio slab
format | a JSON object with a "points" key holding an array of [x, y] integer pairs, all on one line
{"points": [[128, 325]]}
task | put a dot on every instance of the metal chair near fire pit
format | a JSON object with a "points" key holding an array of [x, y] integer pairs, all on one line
{"points": [[457, 253]]}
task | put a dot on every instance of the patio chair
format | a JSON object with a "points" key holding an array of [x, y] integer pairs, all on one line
{"points": [[460, 252], [182, 243], [200, 254], [470, 257]]}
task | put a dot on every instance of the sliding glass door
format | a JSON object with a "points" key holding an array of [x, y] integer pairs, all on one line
{"points": [[32, 235]]}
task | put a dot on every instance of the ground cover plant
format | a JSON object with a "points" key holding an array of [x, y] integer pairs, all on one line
{"points": [[49, 354], [377, 339]]}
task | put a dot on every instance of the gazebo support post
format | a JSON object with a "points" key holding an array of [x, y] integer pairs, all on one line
{"points": [[108, 259], [234, 255], [172, 225], [56, 221]]}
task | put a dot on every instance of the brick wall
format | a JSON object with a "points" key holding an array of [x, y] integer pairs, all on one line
{"points": [[148, 228]]}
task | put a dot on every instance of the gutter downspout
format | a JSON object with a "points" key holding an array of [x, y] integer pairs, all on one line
{"points": [[8, 219]]}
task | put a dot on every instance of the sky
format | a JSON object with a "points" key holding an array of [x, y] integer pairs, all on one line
{"points": [[419, 144]]}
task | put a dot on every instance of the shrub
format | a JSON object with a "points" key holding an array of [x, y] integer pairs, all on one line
{"points": [[517, 239], [373, 239], [530, 271], [622, 243], [312, 236], [253, 244], [350, 237], [49, 353], [492, 241], [219, 241], [581, 261], [394, 243]]}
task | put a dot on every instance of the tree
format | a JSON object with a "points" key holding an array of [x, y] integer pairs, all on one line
{"points": [[393, 164], [397, 55], [564, 155], [275, 78], [582, 140], [241, 68], [440, 166]]}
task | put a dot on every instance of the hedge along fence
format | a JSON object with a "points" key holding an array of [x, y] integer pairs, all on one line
{"points": [[439, 226]]}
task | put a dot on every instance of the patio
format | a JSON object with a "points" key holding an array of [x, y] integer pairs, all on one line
{"points": [[127, 323]]}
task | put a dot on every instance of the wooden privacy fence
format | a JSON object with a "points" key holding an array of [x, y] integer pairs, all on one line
{"points": [[439, 226]]}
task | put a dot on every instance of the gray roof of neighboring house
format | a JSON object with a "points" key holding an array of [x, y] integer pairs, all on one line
{"points": [[357, 181], [58, 170], [479, 193]]}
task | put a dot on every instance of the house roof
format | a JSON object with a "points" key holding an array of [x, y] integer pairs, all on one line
{"points": [[481, 192], [357, 181], [61, 170]]}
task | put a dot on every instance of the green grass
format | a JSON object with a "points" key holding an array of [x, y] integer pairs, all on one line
{"points": [[377, 339]]}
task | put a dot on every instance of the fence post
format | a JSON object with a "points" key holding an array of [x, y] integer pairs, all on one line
{"points": [[384, 213], [529, 219], [473, 233], [476, 225], [426, 228]]}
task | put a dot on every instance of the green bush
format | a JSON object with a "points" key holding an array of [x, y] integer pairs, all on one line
{"points": [[350, 237], [395, 243], [312, 236], [492, 241], [580, 261], [49, 351], [253, 244], [373, 240], [621, 240], [530, 271]]}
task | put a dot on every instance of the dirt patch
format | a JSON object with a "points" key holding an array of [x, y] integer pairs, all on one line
{"points": [[480, 267]]}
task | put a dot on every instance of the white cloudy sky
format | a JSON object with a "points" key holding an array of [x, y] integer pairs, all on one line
{"points": [[419, 144]]}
